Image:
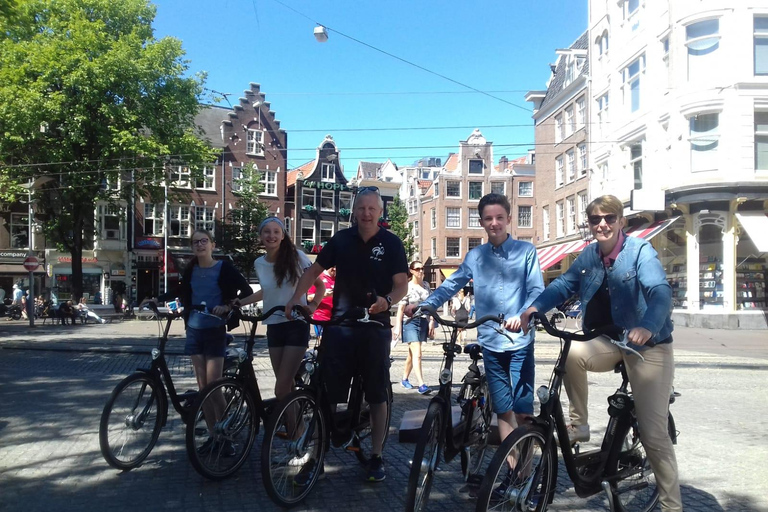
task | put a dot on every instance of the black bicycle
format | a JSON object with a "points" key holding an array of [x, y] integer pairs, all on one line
{"points": [[523, 472], [137, 409], [469, 437], [304, 424], [218, 448]]}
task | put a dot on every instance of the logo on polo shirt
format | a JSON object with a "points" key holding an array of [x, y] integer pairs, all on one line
{"points": [[377, 252]]}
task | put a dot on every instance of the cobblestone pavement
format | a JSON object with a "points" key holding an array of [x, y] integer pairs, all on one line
{"points": [[52, 399]]}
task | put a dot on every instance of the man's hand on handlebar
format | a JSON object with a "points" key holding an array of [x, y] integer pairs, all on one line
{"points": [[410, 309], [513, 324], [639, 336], [222, 310], [525, 319], [379, 306]]}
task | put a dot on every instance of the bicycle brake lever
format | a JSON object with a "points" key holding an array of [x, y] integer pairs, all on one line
{"points": [[623, 344], [367, 319]]}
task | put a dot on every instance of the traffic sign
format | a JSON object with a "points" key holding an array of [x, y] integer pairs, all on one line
{"points": [[31, 263]]}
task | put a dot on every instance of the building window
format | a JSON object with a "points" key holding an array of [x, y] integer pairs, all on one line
{"points": [[474, 242], [571, 205], [204, 218], [475, 190], [581, 114], [665, 58], [636, 164], [475, 166], [308, 197], [525, 189], [254, 143], [345, 200], [473, 219], [344, 225], [571, 163], [328, 172], [705, 138], [326, 231], [452, 247], [19, 231], [433, 248], [288, 226], [437, 188], [570, 122], [545, 222], [559, 171], [269, 182], [308, 232], [180, 177], [237, 175], [560, 219], [702, 40], [525, 239], [582, 159], [452, 189], [559, 128], [326, 202], [761, 45], [631, 76], [433, 218], [630, 9], [498, 187], [761, 141], [581, 213], [415, 229], [453, 217], [524, 217], [153, 219], [206, 179], [602, 112], [602, 44], [179, 221], [109, 222]]}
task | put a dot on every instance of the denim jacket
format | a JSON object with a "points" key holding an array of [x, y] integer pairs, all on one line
{"points": [[640, 293]]}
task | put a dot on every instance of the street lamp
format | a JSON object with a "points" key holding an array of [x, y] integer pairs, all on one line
{"points": [[321, 34], [585, 232]]}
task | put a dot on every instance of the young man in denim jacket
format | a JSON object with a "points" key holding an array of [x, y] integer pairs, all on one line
{"points": [[620, 281]]}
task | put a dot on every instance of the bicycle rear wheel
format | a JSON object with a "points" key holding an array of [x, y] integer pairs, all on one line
{"points": [[363, 439], [473, 454], [131, 421], [293, 449], [521, 474], [425, 458], [217, 449], [636, 491]]}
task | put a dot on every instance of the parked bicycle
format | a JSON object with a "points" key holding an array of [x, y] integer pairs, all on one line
{"points": [[469, 437], [523, 472], [303, 425], [137, 409]]}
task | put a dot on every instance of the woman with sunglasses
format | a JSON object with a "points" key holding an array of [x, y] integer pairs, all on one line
{"points": [[415, 330], [620, 281]]}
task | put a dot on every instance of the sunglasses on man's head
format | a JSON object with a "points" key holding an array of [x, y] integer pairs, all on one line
{"points": [[611, 218], [368, 189]]}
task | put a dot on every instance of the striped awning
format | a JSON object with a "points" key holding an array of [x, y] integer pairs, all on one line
{"points": [[552, 255], [650, 229]]}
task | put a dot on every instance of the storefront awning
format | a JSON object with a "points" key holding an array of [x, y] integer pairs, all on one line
{"points": [[756, 224], [447, 271], [549, 256], [650, 229], [19, 269]]}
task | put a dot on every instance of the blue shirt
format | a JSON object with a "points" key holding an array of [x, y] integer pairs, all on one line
{"points": [[507, 279], [205, 288]]}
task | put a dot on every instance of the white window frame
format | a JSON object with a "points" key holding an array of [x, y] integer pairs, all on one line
{"points": [[473, 219], [254, 142], [581, 113], [433, 248], [268, 180], [636, 163], [570, 122], [453, 217], [115, 212], [471, 245], [559, 171], [344, 225], [559, 129], [327, 172], [760, 40], [345, 200], [526, 193], [237, 175], [308, 197], [325, 197], [207, 179], [180, 214], [522, 216], [437, 188], [570, 166], [448, 241], [433, 218], [560, 220], [503, 187], [18, 226], [632, 74], [415, 231], [631, 17], [469, 167], [602, 112], [205, 217], [704, 159], [583, 163], [181, 177], [761, 140], [582, 207], [545, 222], [326, 225], [469, 189], [448, 185], [570, 203], [307, 223], [153, 212], [698, 39]]}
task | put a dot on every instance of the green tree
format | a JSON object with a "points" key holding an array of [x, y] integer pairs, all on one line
{"points": [[399, 225], [88, 97], [239, 236]]}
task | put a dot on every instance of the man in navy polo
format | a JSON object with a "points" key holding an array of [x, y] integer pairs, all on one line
{"points": [[372, 272]]}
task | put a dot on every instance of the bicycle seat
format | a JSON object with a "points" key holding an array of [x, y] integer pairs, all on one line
{"points": [[474, 350]]}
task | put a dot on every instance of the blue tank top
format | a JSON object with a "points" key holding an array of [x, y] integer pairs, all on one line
{"points": [[205, 289]]}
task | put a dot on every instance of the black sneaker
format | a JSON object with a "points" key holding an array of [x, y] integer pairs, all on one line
{"points": [[375, 472], [307, 473], [205, 447]]}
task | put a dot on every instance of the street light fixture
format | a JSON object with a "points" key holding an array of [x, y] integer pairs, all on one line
{"points": [[321, 34]]}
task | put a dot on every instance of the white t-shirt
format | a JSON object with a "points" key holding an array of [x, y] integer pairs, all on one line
{"points": [[274, 295], [416, 295]]}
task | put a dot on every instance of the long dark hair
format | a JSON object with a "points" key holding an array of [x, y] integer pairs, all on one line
{"points": [[287, 262]]}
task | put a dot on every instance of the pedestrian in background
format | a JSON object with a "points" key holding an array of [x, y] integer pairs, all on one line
{"points": [[414, 330], [323, 311], [460, 311]]}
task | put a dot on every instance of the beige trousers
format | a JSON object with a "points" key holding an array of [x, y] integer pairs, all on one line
{"points": [[651, 383]]}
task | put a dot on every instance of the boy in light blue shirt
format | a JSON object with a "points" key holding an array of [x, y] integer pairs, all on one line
{"points": [[507, 278]]}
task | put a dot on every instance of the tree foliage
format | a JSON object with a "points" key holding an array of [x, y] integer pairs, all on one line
{"points": [[399, 225], [239, 235], [88, 96]]}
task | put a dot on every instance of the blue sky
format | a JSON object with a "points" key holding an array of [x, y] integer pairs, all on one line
{"points": [[352, 92]]}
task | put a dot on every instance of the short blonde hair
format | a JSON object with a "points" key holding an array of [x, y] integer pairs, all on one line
{"points": [[608, 204]]}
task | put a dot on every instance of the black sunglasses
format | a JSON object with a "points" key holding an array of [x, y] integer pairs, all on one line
{"points": [[611, 218], [367, 189]]}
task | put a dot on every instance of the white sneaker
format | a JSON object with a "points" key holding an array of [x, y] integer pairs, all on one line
{"points": [[299, 461]]}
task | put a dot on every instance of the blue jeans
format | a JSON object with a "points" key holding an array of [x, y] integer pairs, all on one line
{"points": [[510, 377]]}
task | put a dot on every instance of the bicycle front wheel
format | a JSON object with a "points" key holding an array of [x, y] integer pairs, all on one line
{"points": [[131, 421], [292, 452], [363, 440], [521, 474], [636, 491], [217, 448], [473, 454], [425, 458]]}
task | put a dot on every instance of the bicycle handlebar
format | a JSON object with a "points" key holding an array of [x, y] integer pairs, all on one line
{"points": [[358, 314], [262, 317], [170, 315], [461, 325], [612, 331]]}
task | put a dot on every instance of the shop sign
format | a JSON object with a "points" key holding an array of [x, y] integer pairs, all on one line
{"points": [[13, 256], [84, 259], [118, 272], [148, 243], [326, 186]]}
